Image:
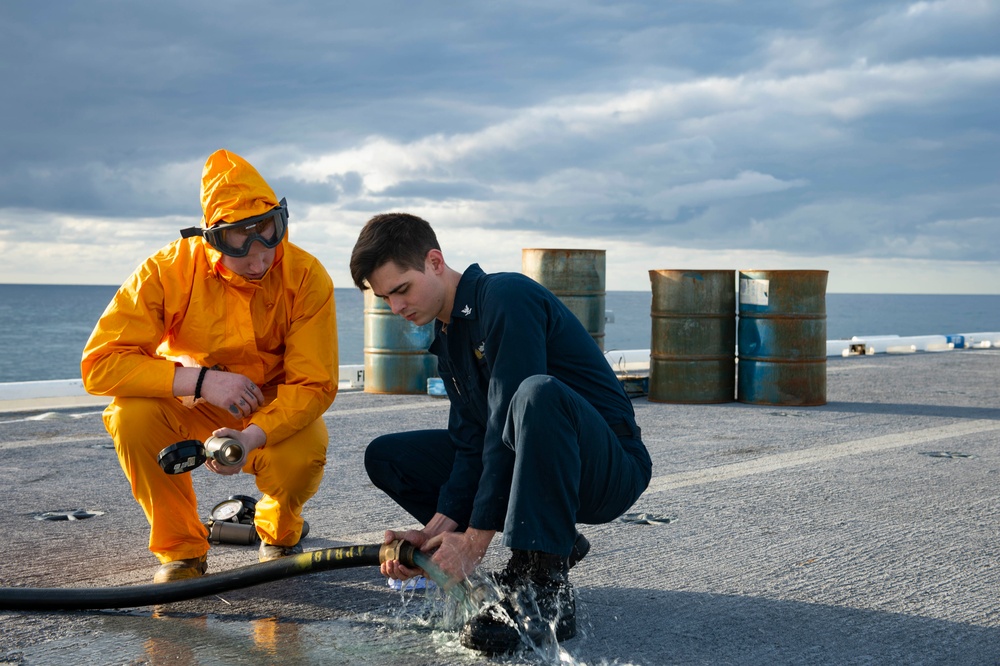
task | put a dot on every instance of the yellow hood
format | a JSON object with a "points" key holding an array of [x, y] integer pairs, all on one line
{"points": [[232, 190]]}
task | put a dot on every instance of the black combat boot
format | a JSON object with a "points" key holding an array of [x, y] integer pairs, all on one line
{"points": [[580, 549], [537, 603], [520, 562], [517, 571]]}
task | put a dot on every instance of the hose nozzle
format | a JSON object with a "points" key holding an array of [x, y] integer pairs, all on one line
{"points": [[189, 454], [224, 450]]}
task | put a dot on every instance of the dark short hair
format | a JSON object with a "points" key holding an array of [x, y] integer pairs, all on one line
{"points": [[401, 238]]}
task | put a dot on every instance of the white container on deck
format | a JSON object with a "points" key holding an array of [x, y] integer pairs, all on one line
{"points": [[901, 349], [628, 361], [981, 340], [881, 344], [859, 338], [838, 348]]}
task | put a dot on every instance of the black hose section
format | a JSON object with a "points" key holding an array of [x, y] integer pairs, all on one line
{"points": [[65, 598]]}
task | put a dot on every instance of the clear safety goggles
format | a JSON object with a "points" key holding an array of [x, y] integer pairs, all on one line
{"points": [[234, 239]]}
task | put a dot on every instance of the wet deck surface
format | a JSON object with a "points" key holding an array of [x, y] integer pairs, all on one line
{"points": [[865, 531]]}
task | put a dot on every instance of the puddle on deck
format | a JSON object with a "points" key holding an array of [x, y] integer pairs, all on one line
{"points": [[421, 630]]}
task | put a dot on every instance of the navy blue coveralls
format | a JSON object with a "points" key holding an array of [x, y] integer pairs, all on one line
{"points": [[541, 434]]}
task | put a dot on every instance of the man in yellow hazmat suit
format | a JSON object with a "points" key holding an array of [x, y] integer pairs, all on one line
{"points": [[229, 331]]}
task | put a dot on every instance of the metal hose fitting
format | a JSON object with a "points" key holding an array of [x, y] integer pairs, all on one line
{"points": [[397, 550]]}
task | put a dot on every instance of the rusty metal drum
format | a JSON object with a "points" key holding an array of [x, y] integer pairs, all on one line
{"points": [[577, 278], [782, 337], [693, 343], [395, 350]]}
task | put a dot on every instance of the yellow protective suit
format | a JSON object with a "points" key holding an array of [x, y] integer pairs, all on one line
{"points": [[279, 331]]}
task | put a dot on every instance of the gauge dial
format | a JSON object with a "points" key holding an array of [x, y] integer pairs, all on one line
{"points": [[228, 510]]}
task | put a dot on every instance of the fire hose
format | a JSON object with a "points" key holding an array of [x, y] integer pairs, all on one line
{"points": [[60, 598]]}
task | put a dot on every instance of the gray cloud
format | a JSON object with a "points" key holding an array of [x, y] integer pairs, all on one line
{"points": [[854, 129]]}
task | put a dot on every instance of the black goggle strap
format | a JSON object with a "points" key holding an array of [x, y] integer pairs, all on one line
{"points": [[281, 211]]}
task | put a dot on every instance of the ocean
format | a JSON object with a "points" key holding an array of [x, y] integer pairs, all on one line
{"points": [[43, 328]]}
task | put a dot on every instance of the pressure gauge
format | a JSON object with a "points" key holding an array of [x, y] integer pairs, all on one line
{"points": [[249, 507], [227, 511]]}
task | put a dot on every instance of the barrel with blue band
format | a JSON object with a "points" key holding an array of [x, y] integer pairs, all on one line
{"points": [[782, 337], [395, 351]]}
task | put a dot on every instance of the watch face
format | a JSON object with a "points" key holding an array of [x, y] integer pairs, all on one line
{"points": [[227, 511]]}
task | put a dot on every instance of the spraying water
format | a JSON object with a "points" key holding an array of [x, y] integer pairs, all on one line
{"points": [[468, 597]]}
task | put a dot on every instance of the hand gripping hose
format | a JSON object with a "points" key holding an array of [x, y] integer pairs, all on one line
{"points": [[64, 598]]}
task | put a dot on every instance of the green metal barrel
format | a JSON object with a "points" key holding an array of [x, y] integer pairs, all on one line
{"points": [[693, 343], [577, 278], [396, 357], [782, 338]]}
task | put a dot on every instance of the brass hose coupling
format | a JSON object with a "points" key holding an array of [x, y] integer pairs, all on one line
{"points": [[397, 550]]}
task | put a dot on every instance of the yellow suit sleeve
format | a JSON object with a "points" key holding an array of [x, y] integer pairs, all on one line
{"points": [[120, 357]]}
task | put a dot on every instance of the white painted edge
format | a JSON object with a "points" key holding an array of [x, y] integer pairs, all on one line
{"points": [[818, 455]]}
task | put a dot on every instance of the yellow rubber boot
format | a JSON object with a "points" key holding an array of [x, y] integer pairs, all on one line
{"points": [[181, 569]]}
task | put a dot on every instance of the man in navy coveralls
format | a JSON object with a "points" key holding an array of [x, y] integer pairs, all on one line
{"points": [[541, 435]]}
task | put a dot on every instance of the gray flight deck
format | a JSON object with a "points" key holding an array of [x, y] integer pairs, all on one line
{"points": [[865, 531]]}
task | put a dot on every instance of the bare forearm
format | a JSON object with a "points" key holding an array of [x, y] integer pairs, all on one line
{"points": [[185, 381], [439, 524], [479, 541]]}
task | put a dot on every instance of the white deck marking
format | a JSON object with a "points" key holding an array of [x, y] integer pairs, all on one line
{"points": [[780, 461], [333, 413]]}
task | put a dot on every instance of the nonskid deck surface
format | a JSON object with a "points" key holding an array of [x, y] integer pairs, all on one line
{"points": [[861, 531]]}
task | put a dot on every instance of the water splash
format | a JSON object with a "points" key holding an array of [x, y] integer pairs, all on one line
{"points": [[451, 605], [467, 596]]}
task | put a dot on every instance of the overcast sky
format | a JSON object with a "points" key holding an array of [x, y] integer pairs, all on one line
{"points": [[857, 136]]}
